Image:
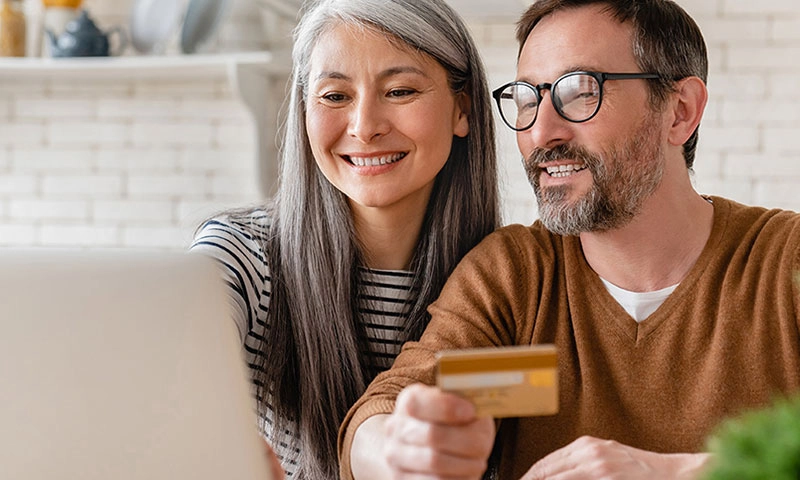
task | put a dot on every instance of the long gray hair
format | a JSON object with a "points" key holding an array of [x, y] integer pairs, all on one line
{"points": [[312, 363]]}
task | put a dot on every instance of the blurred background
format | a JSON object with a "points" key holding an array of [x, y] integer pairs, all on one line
{"points": [[134, 151]]}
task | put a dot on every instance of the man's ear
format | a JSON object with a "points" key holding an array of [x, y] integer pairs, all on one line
{"points": [[687, 104], [461, 115]]}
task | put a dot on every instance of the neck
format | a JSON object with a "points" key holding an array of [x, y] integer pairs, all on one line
{"points": [[389, 236], [659, 247]]}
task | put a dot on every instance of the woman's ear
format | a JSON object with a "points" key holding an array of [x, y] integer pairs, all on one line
{"points": [[688, 104], [461, 115]]}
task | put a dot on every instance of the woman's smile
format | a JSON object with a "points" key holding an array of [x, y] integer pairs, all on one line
{"points": [[362, 160], [380, 123]]}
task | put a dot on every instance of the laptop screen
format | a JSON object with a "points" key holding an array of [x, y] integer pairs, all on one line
{"points": [[121, 365]]}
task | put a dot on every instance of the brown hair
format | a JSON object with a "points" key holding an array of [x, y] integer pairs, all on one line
{"points": [[665, 41]]}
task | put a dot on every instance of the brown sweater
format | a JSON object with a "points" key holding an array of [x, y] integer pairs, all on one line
{"points": [[727, 339]]}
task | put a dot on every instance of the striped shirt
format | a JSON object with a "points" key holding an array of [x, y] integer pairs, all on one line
{"points": [[237, 242]]}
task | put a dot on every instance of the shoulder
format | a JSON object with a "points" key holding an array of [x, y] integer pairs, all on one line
{"points": [[237, 228], [757, 239], [237, 238], [515, 256], [758, 224], [246, 225], [519, 240]]}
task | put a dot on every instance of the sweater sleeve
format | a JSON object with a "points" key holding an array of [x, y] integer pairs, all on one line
{"points": [[475, 309]]}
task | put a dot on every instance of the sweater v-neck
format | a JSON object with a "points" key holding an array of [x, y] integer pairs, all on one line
{"points": [[612, 313]]}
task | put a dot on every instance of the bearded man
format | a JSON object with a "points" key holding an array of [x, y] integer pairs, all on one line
{"points": [[670, 310]]}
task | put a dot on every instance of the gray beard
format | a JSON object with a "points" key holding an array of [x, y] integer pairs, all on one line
{"points": [[618, 192]]}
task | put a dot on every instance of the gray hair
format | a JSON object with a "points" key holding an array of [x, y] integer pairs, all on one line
{"points": [[313, 367]]}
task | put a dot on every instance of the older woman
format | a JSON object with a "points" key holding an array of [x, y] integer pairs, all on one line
{"points": [[388, 178]]}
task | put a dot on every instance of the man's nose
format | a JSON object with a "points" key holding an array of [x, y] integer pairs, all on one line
{"points": [[368, 120], [550, 129]]}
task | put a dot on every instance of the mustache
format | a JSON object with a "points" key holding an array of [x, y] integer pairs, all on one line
{"points": [[540, 156]]}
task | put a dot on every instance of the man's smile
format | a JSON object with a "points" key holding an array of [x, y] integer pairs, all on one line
{"points": [[560, 171]]}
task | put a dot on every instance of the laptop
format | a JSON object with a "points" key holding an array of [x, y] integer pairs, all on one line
{"points": [[121, 365]]}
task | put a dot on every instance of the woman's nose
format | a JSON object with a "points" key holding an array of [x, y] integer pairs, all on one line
{"points": [[368, 120]]}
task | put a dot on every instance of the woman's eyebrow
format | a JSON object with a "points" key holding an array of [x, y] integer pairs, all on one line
{"points": [[401, 69], [333, 75]]}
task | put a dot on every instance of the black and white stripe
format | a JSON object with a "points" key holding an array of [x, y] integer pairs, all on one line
{"points": [[237, 241]]}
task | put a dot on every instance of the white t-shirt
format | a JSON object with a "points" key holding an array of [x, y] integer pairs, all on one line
{"points": [[639, 305]]}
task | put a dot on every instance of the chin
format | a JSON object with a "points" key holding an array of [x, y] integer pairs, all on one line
{"points": [[372, 201]]}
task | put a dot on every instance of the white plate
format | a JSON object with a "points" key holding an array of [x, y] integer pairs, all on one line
{"points": [[202, 19], [152, 23]]}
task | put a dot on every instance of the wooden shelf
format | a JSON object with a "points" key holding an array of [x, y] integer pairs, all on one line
{"points": [[258, 78]]}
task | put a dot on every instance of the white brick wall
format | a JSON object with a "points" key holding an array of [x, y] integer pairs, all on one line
{"points": [[138, 163], [755, 91]]}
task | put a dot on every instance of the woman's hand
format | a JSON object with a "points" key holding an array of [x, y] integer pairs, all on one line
{"points": [[274, 464]]}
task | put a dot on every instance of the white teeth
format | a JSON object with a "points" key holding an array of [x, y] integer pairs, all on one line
{"points": [[564, 170], [375, 161]]}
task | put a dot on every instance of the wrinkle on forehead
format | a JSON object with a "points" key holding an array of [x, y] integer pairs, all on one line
{"points": [[586, 37], [366, 33]]}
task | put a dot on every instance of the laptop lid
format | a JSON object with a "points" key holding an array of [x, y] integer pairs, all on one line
{"points": [[121, 365]]}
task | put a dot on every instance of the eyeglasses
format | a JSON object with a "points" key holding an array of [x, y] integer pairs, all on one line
{"points": [[576, 96]]}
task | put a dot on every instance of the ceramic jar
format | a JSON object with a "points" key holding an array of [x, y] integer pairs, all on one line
{"points": [[12, 29], [57, 14]]}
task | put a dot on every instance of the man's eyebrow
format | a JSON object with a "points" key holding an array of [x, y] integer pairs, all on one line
{"points": [[569, 69], [389, 72]]}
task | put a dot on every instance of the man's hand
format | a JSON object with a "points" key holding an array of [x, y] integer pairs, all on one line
{"points": [[433, 434], [593, 458]]}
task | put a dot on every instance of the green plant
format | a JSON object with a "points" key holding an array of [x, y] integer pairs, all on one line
{"points": [[761, 444]]}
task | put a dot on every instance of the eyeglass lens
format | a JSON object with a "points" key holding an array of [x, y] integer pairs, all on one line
{"points": [[575, 97]]}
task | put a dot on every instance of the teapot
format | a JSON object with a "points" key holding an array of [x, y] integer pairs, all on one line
{"points": [[82, 38]]}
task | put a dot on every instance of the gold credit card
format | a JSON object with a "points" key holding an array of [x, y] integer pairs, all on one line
{"points": [[502, 381]]}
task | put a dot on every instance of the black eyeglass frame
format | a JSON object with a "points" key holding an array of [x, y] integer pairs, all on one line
{"points": [[600, 77]]}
